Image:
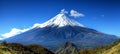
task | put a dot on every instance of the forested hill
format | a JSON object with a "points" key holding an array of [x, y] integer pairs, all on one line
{"points": [[16, 48]]}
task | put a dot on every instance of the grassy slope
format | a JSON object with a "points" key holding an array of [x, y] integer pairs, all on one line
{"points": [[6, 50], [113, 50]]}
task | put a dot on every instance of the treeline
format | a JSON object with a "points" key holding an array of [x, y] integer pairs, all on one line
{"points": [[17, 48]]}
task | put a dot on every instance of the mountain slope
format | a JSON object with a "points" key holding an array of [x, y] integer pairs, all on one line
{"points": [[61, 29], [113, 48], [68, 48]]}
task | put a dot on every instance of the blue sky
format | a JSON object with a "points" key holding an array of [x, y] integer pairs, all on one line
{"points": [[101, 15]]}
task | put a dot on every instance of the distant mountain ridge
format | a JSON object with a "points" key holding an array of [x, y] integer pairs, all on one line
{"points": [[60, 29]]}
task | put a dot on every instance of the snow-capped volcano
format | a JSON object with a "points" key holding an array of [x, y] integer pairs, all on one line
{"points": [[60, 20], [49, 35]]}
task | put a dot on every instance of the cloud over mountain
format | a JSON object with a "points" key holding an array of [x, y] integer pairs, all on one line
{"points": [[14, 31], [76, 14]]}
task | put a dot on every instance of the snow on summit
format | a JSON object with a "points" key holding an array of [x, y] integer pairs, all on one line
{"points": [[61, 20]]}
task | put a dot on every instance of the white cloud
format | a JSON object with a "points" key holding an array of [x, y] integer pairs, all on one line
{"points": [[64, 11], [76, 14], [13, 32], [1, 38]]}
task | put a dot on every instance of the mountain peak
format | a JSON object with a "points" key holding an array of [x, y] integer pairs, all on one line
{"points": [[61, 20]]}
